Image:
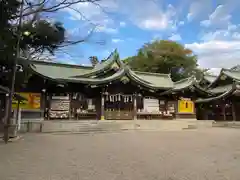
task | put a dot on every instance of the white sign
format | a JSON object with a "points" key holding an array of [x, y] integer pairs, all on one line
{"points": [[151, 105]]}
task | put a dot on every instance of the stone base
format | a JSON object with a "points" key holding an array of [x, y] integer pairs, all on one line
{"points": [[186, 116], [31, 126], [12, 130]]}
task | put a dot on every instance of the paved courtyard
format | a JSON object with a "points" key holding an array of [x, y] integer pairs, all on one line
{"points": [[212, 154]]}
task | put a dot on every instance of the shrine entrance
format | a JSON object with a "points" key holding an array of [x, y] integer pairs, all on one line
{"points": [[118, 106]]}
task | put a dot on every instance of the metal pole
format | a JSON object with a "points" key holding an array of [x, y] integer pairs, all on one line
{"points": [[15, 59]]}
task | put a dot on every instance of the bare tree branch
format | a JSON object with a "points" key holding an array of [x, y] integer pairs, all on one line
{"points": [[68, 43], [61, 5]]}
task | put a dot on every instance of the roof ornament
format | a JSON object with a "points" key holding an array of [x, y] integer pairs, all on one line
{"points": [[115, 67], [223, 77], [124, 80]]}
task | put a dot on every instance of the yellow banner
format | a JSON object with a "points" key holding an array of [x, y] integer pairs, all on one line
{"points": [[33, 101], [186, 106]]}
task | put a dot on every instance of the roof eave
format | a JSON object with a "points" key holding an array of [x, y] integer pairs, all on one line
{"points": [[141, 82], [95, 81], [223, 95]]}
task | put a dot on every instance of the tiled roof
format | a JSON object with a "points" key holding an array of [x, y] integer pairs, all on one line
{"points": [[209, 78], [57, 70], [225, 94], [154, 79]]}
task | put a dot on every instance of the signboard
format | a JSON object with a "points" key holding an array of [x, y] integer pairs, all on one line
{"points": [[33, 101], [60, 97], [186, 106], [151, 105]]}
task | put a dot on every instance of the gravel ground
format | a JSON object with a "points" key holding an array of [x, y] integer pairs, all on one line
{"points": [[212, 154]]}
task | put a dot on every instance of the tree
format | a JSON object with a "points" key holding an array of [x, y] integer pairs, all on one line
{"points": [[25, 30], [165, 57], [38, 33]]}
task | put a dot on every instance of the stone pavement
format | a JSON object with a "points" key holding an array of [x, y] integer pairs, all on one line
{"points": [[209, 154]]}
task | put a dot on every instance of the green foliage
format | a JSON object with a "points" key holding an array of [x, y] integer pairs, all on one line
{"points": [[165, 57], [7, 36], [43, 35], [36, 34]]}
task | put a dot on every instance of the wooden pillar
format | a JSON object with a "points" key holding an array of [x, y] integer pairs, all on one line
{"points": [[135, 106], [233, 111], [17, 112], [224, 111], [70, 107], [43, 103], [102, 106], [49, 99]]}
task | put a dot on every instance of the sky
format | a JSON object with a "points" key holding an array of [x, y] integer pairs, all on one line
{"points": [[211, 28]]}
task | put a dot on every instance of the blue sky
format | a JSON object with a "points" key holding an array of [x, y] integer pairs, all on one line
{"points": [[210, 28]]}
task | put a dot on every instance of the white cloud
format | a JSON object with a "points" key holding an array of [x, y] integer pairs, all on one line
{"points": [[198, 8], [216, 35], [236, 35], [115, 40], [219, 18], [122, 24], [93, 14], [106, 29], [181, 23], [151, 17], [175, 37], [154, 23], [217, 54], [230, 32]]}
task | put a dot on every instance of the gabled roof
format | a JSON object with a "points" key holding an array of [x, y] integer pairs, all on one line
{"points": [[236, 68], [233, 74], [225, 94], [209, 78], [90, 75], [220, 89], [108, 64], [99, 75], [54, 70]]}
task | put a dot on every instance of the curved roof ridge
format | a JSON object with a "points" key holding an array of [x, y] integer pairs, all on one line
{"points": [[152, 82], [136, 76], [151, 73], [212, 75], [95, 81], [57, 64], [185, 79], [231, 70], [237, 67], [101, 67], [217, 78]]}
